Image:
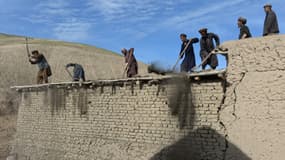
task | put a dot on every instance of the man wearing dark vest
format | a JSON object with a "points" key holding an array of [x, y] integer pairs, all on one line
{"points": [[44, 68]]}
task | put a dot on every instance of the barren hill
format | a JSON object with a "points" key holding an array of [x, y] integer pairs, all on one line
{"points": [[15, 69], [98, 63]]}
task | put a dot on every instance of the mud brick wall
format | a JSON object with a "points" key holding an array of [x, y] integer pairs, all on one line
{"points": [[240, 117], [139, 119], [254, 108]]}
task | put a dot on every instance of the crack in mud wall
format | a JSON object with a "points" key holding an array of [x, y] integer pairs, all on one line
{"points": [[252, 109]]}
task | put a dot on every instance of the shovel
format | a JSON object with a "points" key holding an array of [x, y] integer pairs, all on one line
{"points": [[181, 54], [215, 51], [69, 73]]}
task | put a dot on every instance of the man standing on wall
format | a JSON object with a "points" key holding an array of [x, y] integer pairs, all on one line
{"points": [[188, 52], [131, 63], [78, 71], [207, 46], [270, 23], [44, 68], [244, 30]]}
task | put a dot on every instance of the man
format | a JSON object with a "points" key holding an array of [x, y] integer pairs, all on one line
{"points": [[189, 59], [207, 46], [131, 63], [44, 68], [244, 30], [270, 23], [78, 71]]}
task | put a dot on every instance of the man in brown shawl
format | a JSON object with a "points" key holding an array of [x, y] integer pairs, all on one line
{"points": [[131, 62]]}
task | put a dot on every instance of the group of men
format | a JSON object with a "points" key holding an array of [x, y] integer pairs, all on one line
{"points": [[207, 45], [270, 26], [131, 67]]}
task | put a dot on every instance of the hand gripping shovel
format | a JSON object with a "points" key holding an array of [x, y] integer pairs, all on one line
{"points": [[215, 51]]}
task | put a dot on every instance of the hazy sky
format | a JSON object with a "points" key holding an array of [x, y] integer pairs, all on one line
{"points": [[152, 27]]}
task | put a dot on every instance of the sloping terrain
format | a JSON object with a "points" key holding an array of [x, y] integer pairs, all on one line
{"points": [[15, 69], [98, 63]]}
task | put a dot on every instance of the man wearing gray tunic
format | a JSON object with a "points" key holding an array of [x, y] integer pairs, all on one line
{"points": [[207, 46], [270, 23], [78, 71]]}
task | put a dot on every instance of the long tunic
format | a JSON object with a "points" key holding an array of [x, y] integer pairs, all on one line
{"points": [[189, 57], [244, 30], [270, 23], [207, 46], [132, 65]]}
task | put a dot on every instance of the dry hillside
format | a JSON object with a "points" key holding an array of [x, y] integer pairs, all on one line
{"points": [[16, 70]]}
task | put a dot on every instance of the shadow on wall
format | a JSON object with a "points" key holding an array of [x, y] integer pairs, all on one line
{"points": [[201, 144], [180, 102]]}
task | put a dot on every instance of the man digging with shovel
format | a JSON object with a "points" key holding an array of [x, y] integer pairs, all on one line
{"points": [[78, 71], [208, 50], [207, 46], [131, 67], [187, 51], [39, 59]]}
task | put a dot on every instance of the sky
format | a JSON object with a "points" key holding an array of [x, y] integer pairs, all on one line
{"points": [[152, 27]]}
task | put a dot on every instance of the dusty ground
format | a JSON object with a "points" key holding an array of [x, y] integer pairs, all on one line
{"points": [[7, 130]]}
